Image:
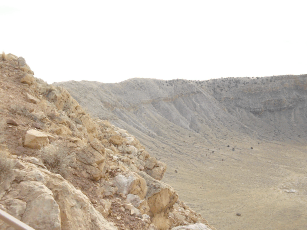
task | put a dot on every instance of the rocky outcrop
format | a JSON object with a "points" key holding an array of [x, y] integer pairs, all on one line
{"points": [[76, 172], [160, 198], [45, 200], [35, 139], [131, 184]]}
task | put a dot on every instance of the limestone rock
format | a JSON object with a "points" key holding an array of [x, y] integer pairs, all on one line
{"points": [[91, 162], [134, 200], [130, 149], [49, 202], [10, 57], [160, 198], [150, 162], [133, 210], [28, 79], [132, 183], [157, 171], [32, 99], [21, 61], [97, 146], [15, 207], [122, 132], [35, 139], [105, 209], [11, 122], [116, 140], [198, 226], [130, 140], [43, 213]]}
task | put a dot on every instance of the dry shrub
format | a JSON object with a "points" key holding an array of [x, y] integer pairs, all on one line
{"points": [[53, 157], [19, 109], [3, 56], [23, 111], [116, 140], [6, 166]]}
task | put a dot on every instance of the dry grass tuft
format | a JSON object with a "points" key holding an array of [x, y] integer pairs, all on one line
{"points": [[6, 166], [54, 158], [3, 56]]}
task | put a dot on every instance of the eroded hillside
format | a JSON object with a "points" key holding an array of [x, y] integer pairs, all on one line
{"points": [[62, 169], [235, 145]]}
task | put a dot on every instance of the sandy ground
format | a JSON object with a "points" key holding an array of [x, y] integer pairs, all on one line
{"points": [[266, 185]]}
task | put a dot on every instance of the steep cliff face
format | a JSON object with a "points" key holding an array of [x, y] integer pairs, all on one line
{"points": [[275, 107], [230, 144], [62, 169]]}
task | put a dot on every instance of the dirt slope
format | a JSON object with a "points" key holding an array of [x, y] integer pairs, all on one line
{"points": [[235, 145]]}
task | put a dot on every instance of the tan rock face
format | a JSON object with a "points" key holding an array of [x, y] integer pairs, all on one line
{"points": [[131, 184], [48, 213], [156, 170], [35, 139], [32, 202], [160, 198], [91, 162], [44, 200]]}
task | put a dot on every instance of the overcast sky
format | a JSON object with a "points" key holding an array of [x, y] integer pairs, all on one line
{"points": [[111, 41]]}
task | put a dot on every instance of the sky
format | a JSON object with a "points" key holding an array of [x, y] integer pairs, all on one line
{"points": [[111, 41]]}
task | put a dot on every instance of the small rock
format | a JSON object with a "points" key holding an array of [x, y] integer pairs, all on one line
{"points": [[134, 200], [37, 125], [290, 191], [35, 139], [197, 226], [32, 99], [28, 79], [19, 165], [252, 148], [21, 61], [11, 122], [238, 214]]}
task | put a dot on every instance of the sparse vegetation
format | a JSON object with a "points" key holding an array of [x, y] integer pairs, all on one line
{"points": [[3, 56], [53, 158], [6, 165]]}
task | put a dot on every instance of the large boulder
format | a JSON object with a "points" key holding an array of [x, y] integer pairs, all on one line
{"points": [[91, 162], [131, 183], [160, 198], [33, 203], [45, 200], [35, 139], [154, 168]]}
